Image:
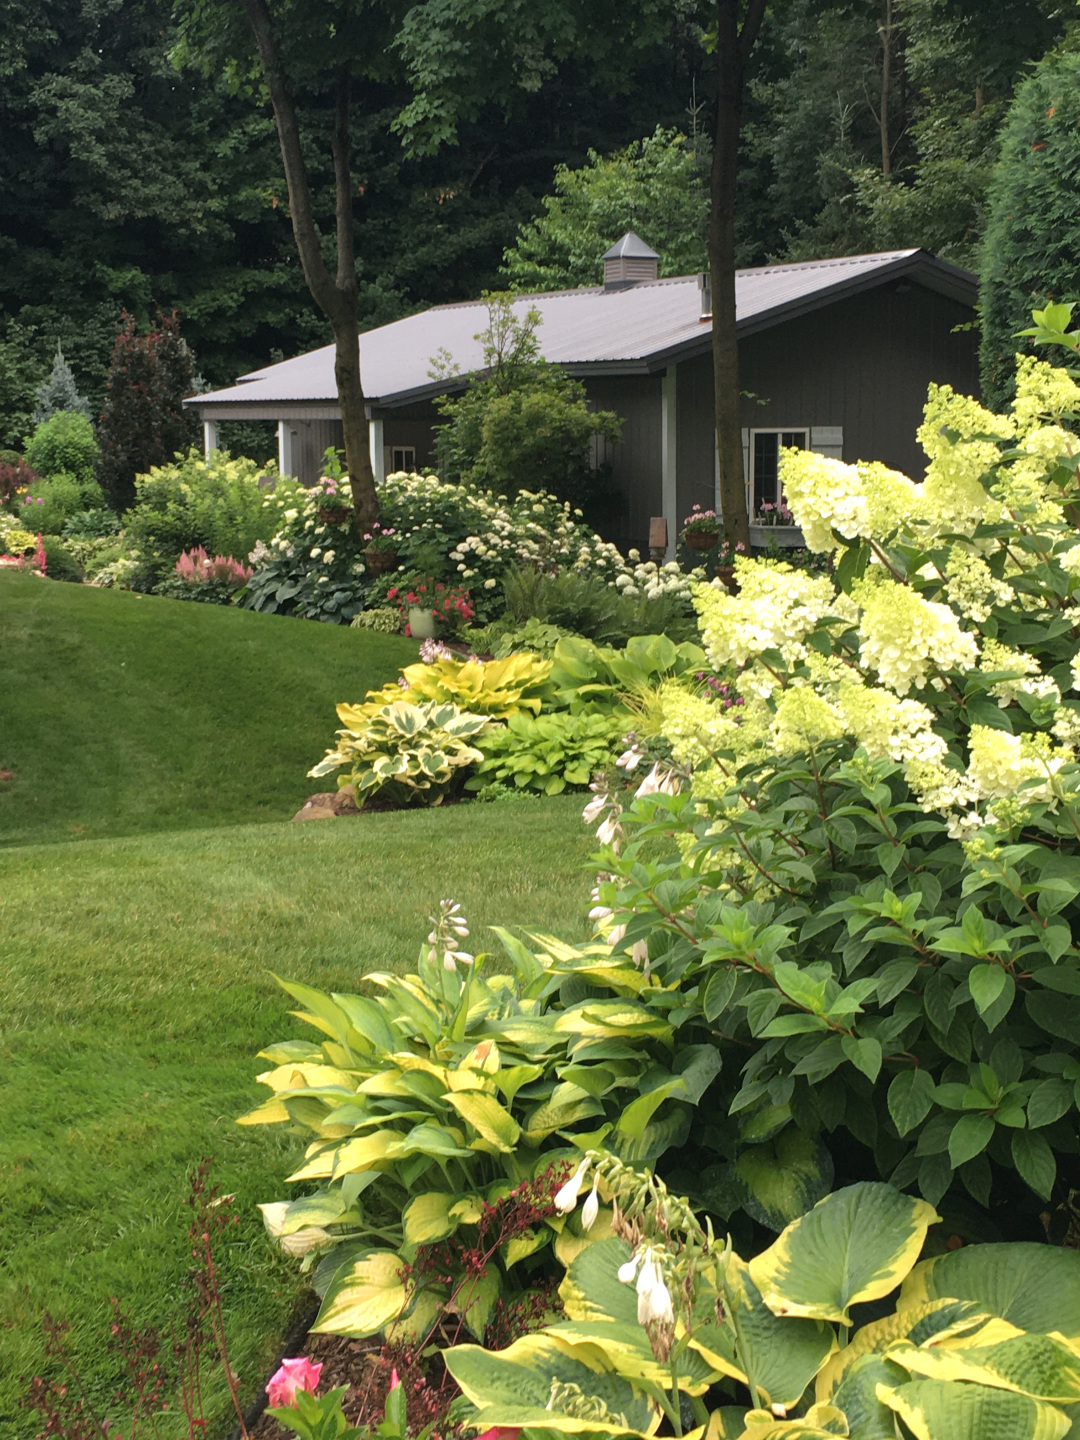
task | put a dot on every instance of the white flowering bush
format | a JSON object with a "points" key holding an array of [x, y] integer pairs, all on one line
{"points": [[451, 531], [873, 904]]}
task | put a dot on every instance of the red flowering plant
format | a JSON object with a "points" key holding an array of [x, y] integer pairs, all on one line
{"points": [[294, 1402], [451, 605]]}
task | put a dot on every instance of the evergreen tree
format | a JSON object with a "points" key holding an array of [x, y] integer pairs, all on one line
{"points": [[144, 422], [1031, 254], [59, 392]]}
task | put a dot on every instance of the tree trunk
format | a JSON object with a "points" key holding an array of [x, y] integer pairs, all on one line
{"points": [[732, 51], [335, 296], [885, 31]]}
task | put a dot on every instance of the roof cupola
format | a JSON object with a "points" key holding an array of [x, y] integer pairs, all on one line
{"points": [[628, 261]]}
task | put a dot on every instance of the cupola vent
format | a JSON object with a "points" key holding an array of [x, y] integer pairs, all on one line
{"points": [[629, 261]]}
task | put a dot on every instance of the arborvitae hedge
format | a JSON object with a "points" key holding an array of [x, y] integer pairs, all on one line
{"points": [[1031, 252]]}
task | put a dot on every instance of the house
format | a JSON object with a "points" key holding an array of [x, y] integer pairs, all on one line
{"points": [[835, 355]]}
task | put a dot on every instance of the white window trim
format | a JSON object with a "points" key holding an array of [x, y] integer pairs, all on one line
{"points": [[824, 440]]}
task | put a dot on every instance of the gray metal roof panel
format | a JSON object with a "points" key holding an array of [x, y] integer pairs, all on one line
{"points": [[590, 327]]}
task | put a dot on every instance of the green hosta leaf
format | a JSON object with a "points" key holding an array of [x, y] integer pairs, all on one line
{"points": [[487, 1117], [911, 1095], [427, 1218], [363, 1297], [513, 1388], [475, 1300], [591, 1289], [855, 1245], [1035, 1365], [784, 1179], [610, 1017], [1034, 1287], [639, 1112], [783, 1355], [857, 1397], [1034, 1161], [938, 1410]]}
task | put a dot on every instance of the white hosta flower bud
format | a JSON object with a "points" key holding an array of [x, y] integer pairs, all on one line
{"points": [[566, 1198], [591, 1208], [628, 1273], [593, 808], [655, 1305], [606, 832], [648, 1275]]}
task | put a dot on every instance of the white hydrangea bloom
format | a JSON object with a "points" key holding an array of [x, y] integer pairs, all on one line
{"points": [[903, 637]]}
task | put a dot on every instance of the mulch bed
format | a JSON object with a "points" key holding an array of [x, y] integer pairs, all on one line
{"points": [[356, 1363]]}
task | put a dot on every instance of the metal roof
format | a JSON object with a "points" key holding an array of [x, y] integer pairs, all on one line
{"points": [[636, 330], [630, 247]]}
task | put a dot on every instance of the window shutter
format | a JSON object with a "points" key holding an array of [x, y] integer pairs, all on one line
{"points": [[827, 440]]}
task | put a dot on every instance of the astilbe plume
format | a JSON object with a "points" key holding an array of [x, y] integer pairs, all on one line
{"points": [[195, 567]]}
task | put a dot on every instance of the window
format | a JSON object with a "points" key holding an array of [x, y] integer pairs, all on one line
{"points": [[402, 457], [763, 483]]}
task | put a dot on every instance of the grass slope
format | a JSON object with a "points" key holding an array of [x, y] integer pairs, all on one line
{"points": [[122, 714], [136, 994]]}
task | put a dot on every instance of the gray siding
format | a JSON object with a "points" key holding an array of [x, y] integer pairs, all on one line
{"points": [[863, 364], [310, 439], [635, 461]]}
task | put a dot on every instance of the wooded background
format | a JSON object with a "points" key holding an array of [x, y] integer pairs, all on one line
{"points": [[130, 180]]}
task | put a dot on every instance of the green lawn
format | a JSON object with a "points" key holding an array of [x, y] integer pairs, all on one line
{"points": [[136, 994], [122, 714], [141, 913]]}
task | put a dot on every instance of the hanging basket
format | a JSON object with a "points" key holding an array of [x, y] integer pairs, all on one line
{"points": [[333, 514], [380, 562], [701, 539]]}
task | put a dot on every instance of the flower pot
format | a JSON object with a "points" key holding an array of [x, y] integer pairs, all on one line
{"points": [[701, 539], [726, 575], [786, 537], [380, 562], [333, 514], [421, 623]]}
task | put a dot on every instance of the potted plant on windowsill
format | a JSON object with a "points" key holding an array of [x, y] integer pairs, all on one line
{"points": [[381, 549], [701, 529], [775, 525]]}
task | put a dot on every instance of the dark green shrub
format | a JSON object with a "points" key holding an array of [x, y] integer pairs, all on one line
{"points": [[60, 563], [49, 503], [1031, 253], [65, 445], [91, 525], [590, 605]]}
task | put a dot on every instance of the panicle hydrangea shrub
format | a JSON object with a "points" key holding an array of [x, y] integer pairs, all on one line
{"points": [[873, 900]]}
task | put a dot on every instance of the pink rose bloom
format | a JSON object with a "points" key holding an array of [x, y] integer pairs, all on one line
{"points": [[294, 1375]]}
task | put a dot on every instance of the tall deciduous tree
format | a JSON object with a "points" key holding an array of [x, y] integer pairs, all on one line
{"points": [[335, 292], [737, 28]]}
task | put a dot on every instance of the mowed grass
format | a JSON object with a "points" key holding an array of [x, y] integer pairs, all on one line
{"points": [[124, 714], [136, 993]]}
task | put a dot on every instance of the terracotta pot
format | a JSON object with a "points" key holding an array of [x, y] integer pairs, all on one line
{"points": [[421, 623], [726, 575], [701, 539], [333, 514], [380, 562]]}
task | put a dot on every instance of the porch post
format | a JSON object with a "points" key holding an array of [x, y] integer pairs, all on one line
{"points": [[284, 448], [210, 436], [378, 454], [669, 500]]}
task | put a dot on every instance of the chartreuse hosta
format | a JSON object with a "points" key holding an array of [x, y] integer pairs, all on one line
{"points": [[981, 1344], [445, 1109]]}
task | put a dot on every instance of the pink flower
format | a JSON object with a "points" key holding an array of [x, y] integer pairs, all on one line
{"points": [[394, 1380], [294, 1375]]}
